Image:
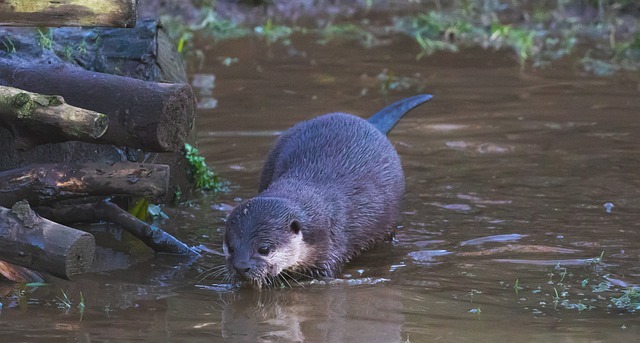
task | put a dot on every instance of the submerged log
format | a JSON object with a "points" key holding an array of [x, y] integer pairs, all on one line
{"points": [[119, 13], [154, 237], [31, 241], [152, 116], [48, 118], [41, 184]]}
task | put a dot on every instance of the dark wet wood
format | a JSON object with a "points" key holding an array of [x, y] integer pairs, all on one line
{"points": [[154, 237], [144, 52], [42, 184], [37, 13], [152, 116], [30, 241]]}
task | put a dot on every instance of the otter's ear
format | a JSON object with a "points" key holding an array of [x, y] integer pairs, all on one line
{"points": [[295, 226]]}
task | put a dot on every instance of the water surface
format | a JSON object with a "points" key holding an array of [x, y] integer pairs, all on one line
{"points": [[519, 222]]}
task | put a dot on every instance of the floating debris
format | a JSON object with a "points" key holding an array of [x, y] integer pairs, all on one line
{"points": [[519, 248], [608, 207], [494, 238], [427, 256]]}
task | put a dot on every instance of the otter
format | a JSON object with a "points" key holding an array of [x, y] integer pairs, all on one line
{"points": [[330, 188]]}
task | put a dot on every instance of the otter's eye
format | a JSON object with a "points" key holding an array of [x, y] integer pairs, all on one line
{"points": [[264, 250], [230, 249]]}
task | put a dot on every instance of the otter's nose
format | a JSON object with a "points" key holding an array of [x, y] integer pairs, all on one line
{"points": [[241, 267]]}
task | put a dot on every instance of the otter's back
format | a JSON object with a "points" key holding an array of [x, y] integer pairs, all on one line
{"points": [[332, 147], [352, 164]]}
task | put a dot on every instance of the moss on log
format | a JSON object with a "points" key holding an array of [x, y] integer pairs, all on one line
{"points": [[42, 113], [116, 13]]}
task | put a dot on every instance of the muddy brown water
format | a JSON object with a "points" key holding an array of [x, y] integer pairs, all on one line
{"points": [[517, 182]]}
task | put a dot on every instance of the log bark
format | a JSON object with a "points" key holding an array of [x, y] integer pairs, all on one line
{"points": [[152, 116], [154, 237], [19, 274], [42, 184], [48, 118], [36, 243], [149, 54], [118, 13]]}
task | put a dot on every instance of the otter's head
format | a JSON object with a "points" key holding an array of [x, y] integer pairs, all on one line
{"points": [[263, 237]]}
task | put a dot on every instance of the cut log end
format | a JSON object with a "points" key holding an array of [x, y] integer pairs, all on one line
{"points": [[43, 245], [79, 255], [100, 125], [178, 118]]}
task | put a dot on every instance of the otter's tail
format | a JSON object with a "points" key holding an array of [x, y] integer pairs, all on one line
{"points": [[389, 116]]}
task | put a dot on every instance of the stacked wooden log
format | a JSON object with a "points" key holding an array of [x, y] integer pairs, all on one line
{"points": [[147, 115], [117, 13], [65, 131]]}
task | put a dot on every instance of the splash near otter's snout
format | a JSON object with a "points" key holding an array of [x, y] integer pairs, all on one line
{"points": [[330, 188]]}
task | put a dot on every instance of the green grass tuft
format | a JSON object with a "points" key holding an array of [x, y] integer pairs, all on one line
{"points": [[203, 176]]}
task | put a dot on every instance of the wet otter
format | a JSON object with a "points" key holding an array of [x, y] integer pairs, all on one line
{"points": [[330, 188]]}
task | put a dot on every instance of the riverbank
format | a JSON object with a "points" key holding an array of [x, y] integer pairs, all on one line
{"points": [[594, 37]]}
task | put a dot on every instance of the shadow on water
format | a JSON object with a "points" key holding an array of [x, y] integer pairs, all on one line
{"points": [[519, 222]]}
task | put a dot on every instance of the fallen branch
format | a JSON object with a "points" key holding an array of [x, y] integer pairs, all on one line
{"points": [[152, 116], [36, 243], [120, 13], [50, 117], [42, 184], [154, 237]]}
